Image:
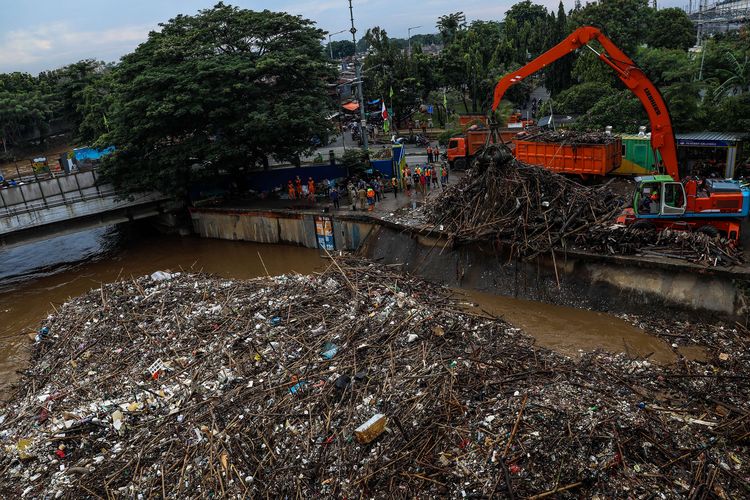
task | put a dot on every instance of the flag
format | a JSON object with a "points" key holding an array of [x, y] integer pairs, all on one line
{"points": [[384, 111], [391, 94], [386, 126]]}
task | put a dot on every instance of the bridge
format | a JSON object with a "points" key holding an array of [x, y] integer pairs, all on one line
{"points": [[64, 204]]}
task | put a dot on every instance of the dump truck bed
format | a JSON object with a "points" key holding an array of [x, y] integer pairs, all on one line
{"points": [[578, 159]]}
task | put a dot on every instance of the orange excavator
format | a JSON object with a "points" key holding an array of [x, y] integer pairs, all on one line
{"points": [[711, 206]]}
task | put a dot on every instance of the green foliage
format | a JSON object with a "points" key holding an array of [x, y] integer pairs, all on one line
{"points": [[589, 69], [732, 114], [578, 99], [666, 66], [222, 89], [341, 48], [626, 22], [671, 29], [683, 101], [355, 160], [94, 107], [620, 109], [450, 24]]}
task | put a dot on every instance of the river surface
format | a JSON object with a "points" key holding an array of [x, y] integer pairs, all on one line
{"points": [[36, 278]]}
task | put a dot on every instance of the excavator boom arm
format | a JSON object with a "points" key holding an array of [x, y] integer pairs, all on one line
{"points": [[662, 135]]}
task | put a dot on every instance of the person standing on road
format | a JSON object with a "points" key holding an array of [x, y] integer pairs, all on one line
{"points": [[423, 184], [353, 196], [335, 197], [370, 199], [362, 194], [290, 189], [429, 154], [298, 185], [436, 153], [394, 183]]}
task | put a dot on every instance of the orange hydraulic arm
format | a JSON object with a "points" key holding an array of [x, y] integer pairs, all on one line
{"points": [[662, 135]]}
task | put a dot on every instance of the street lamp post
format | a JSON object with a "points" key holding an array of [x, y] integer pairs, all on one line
{"points": [[329, 40], [357, 72], [408, 31]]}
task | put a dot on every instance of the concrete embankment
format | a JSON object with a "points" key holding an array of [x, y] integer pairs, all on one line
{"points": [[604, 283]]}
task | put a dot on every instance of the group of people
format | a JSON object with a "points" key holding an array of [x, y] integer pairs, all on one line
{"points": [[367, 194], [424, 178], [299, 191], [433, 154]]}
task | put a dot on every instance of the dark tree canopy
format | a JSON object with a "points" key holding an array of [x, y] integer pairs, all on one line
{"points": [[671, 29], [223, 89]]}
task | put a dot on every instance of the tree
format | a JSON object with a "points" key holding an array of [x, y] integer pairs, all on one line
{"points": [[578, 99], [66, 85], [666, 66], [626, 22], [683, 102], [449, 25], [341, 48], [558, 74], [25, 109], [732, 114], [95, 105], [671, 29], [620, 109], [225, 89]]}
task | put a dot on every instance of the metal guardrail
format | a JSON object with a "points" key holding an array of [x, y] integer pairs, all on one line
{"points": [[55, 197], [37, 205]]}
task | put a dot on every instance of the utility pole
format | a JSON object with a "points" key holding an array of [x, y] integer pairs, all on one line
{"points": [[358, 75], [408, 33], [329, 40]]}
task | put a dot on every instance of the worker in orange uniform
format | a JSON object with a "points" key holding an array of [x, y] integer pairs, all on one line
{"points": [[394, 183], [370, 199], [655, 202], [298, 186], [291, 190], [429, 154]]}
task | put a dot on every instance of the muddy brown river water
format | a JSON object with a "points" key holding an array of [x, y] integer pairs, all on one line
{"points": [[36, 278]]}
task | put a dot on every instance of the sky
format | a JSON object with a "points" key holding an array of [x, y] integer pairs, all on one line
{"points": [[39, 35]]}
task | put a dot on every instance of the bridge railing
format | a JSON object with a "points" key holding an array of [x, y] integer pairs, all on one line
{"points": [[54, 192]]}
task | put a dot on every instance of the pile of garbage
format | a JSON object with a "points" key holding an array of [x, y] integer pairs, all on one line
{"points": [[566, 136], [535, 210], [532, 208], [357, 381], [695, 247]]}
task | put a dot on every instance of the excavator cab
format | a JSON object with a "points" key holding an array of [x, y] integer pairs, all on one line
{"points": [[659, 196]]}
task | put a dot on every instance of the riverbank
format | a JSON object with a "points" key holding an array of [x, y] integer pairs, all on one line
{"points": [[197, 386]]}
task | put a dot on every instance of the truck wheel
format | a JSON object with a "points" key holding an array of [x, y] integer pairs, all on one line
{"points": [[459, 164], [643, 224], [708, 230]]}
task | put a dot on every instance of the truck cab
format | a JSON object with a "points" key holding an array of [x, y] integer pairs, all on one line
{"points": [[456, 153]]}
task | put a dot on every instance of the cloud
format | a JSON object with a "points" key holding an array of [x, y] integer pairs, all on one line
{"points": [[53, 45]]}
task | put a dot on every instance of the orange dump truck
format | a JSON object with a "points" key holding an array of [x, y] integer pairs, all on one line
{"points": [[585, 160]]}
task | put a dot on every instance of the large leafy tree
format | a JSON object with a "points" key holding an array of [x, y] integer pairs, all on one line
{"points": [[225, 89], [626, 22], [671, 29], [25, 109], [450, 24]]}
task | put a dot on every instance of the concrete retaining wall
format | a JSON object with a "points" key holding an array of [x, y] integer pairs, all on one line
{"points": [[619, 286], [611, 285], [276, 227]]}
